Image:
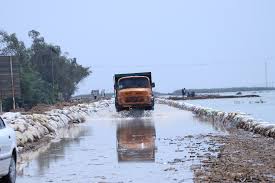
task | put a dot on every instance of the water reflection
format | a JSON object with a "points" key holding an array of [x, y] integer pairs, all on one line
{"points": [[55, 151], [136, 140]]}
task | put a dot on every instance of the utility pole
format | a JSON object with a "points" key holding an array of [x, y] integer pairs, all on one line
{"points": [[1, 107], [1, 103], [266, 75], [52, 76], [52, 69], [12, 84]]}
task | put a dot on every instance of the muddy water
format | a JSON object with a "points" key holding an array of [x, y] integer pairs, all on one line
{"points": [[130, 146]]}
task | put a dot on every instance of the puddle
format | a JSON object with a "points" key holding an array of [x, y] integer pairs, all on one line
{"points": [[131, 146]]}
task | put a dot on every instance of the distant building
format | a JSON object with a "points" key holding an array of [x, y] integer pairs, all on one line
{"points": [[95, 94]]}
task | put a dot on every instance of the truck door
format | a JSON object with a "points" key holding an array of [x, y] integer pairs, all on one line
{"points": [[5, 148]]}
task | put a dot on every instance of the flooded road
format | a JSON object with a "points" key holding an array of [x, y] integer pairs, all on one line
{"points": [[130, 146]]}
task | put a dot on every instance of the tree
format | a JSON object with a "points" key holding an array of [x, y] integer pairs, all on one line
{"points": [[61, 71], [45, 72], [31, 83]]}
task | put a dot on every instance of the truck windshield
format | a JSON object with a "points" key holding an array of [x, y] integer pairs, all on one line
{"points": [[134, 83]]}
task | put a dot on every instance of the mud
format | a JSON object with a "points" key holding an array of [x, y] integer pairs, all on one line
{"points": [[242, 157]]}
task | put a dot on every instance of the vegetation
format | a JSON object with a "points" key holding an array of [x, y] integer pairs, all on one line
{"points": [[47, 75]]}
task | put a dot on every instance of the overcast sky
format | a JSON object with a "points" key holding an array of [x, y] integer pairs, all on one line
{"points": [[191, 44]]}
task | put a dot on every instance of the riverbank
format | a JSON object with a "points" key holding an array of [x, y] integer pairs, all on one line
{"points": [[241, 156], [205, 97], [226, 119], [34, 129], [259, 108]]}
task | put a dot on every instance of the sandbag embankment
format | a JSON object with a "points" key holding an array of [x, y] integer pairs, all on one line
{"points": [[226, 119], [31, 128]]}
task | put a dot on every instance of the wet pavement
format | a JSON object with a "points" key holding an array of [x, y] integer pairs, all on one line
{"points": [[132, 146]]}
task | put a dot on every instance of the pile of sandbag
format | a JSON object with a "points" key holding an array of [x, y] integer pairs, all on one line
{"points": [[32, 127], [227, 119]]}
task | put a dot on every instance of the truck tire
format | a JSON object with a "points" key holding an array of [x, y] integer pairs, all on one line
{"points": [[151, 108], [11, 177], [118, 108]]}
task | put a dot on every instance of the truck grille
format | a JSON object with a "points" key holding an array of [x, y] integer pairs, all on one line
{"points": [[135, 93], [134, 99]]}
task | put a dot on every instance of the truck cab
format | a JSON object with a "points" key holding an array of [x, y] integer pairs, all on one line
{"points": [[134, 90]]}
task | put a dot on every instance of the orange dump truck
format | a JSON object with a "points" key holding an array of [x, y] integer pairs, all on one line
{"points": [[134, 90]]}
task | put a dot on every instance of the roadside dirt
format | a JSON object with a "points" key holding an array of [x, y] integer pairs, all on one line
{"points": [[242, 157], [41, 108]]}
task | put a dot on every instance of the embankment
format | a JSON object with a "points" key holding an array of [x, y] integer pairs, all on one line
{"points": [[227, 119], [32, 128]]}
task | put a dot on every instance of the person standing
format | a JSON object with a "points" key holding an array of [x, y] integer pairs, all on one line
{"points": [[183, 91]]}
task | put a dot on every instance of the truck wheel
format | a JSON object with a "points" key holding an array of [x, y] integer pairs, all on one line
{"points": [[11, 177], [118, 108], [151, 108]]}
